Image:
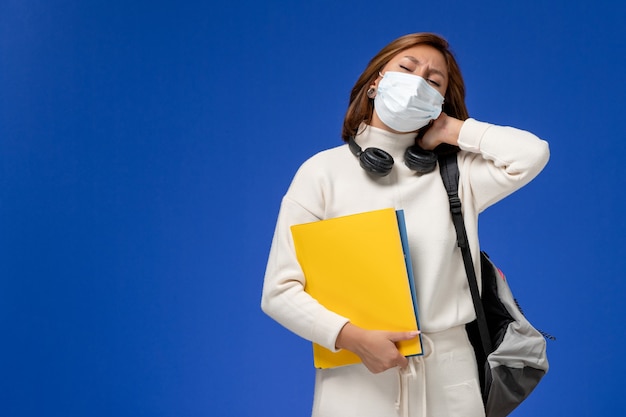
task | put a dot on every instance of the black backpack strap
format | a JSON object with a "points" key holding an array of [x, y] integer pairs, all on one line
{"points": [[449, 169]]}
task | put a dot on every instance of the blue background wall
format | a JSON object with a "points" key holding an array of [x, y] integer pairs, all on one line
{"points": [[144, 149]]}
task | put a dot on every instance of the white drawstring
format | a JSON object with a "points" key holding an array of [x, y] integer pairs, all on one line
{"points": [[408, 373], [402, 402]]}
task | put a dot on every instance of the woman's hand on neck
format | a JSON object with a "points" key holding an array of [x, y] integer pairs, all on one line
{"points": [[444, 129]]}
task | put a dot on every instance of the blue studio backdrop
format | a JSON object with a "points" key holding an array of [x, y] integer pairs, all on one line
{"points": [[145, 147]]}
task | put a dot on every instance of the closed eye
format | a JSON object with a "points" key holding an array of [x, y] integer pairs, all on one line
{"points": [[433, 82]]}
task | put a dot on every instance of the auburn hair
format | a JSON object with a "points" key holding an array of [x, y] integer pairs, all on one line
{"points": [[361, 107]]}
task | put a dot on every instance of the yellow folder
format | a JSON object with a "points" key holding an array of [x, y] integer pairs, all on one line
{"points": [[356, 266]]}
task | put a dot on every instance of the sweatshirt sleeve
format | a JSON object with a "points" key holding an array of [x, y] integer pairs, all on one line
{"points": [[284, 298], [499, 160]]}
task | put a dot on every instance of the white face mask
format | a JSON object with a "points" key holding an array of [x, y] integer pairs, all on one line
{"points": [[405, 102]]}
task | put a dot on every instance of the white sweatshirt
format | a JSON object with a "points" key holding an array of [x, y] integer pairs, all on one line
{"points": [[493, 162]]}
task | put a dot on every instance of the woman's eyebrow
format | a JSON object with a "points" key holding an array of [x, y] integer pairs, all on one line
{"points": [[417, 62]]}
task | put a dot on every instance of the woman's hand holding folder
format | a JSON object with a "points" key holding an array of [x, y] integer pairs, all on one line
{"points": [[376, 348]]}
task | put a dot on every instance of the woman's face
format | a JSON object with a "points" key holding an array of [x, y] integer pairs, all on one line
{"points": [[422, 60]]}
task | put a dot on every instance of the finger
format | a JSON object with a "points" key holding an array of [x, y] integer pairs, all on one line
{"points": [[398, 336], [403, 362]]}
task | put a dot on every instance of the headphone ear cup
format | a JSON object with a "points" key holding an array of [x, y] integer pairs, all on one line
{"points": [[420, 160], [376, 161], [373, 160]]}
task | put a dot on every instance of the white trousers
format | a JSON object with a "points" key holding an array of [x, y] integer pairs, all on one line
{"points": [[441, 383]]}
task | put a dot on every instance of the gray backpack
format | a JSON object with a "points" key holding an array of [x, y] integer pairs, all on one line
{"points": [[510, 352]]}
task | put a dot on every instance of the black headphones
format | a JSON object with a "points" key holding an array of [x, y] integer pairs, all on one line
{"points": [[379, 163]]}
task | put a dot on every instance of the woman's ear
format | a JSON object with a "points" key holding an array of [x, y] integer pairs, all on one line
{"points": [[371, 91]]}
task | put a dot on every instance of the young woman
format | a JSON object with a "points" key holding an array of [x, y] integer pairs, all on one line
{"points": [[410, 97]]}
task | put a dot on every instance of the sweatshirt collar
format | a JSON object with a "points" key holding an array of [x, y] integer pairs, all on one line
{"points": [[393, 143]]}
